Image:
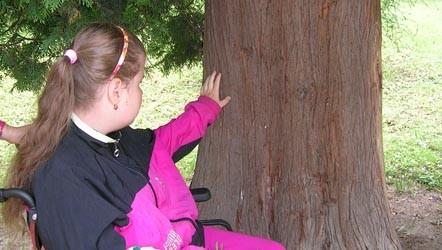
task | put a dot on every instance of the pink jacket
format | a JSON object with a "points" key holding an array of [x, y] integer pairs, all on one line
{"points": [[149, 225]]}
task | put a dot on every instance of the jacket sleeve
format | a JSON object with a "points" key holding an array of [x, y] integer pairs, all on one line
{"points": [[72, 215], [190, 125]]}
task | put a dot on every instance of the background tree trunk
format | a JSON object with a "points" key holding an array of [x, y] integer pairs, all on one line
{"points": [[297, 154]]}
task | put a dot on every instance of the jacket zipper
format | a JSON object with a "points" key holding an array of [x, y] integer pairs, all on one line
{"points": [[138, 173]]}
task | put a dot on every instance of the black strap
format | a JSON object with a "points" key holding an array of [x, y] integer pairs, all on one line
{"points": [[198, 236]]}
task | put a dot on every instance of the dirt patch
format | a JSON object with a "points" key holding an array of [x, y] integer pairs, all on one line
{"points": [[417, 216]]}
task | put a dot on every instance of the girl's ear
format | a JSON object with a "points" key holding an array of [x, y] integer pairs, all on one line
{"points": [[115, 88]]}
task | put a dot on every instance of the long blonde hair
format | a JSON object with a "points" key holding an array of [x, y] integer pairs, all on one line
{"points": [[98, 47]]}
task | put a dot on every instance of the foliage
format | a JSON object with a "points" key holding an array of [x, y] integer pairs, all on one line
{"points": [[412, 99], [412, 83], [35, 32], [390, 19]]}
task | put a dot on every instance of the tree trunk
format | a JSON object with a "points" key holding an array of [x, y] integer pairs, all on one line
{"points": [[297, 154]]}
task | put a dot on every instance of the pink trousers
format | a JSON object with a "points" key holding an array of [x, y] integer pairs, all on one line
{"points": [[219, 239]]}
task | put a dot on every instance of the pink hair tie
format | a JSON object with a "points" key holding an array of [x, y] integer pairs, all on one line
{"points": [[2, 126], [72, 55]]}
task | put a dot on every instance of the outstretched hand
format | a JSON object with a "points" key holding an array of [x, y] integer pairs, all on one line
{"points": [[13, 134], [210, 89]]}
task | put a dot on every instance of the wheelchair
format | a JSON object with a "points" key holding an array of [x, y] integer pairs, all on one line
{"points": [[199, 195]]}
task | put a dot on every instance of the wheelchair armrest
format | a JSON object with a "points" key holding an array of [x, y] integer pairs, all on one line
{"points": [[17, 193], [31, 211], [217, 222], [200, 194]]}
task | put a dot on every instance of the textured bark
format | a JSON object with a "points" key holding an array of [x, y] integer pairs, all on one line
{"points": [[297, 154]]}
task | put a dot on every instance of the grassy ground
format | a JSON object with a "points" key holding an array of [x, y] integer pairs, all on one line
{"points": [[412, 110], [163, 99], [412, 99], [412, 102], [18, 108]]}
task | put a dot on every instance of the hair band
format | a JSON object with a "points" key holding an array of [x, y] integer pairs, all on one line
{"points": [[72, 55], [123, 54], [2, 126]]}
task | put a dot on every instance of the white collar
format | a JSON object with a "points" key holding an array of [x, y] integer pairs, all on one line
{"points": [[90, 131]]}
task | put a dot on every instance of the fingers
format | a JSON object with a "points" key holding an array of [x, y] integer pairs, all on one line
{"points": [[212, 79], [208, 84], [204, 87], [211, 89], [216, 84], [225, 101]]}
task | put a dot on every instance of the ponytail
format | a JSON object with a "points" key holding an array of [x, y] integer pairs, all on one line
{"points": [[98, 47], [55, 106]]}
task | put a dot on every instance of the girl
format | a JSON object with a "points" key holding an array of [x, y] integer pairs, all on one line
{"points": [[99, 184]]}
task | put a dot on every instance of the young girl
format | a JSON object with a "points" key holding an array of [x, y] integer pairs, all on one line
{"points": [[98, 183]]}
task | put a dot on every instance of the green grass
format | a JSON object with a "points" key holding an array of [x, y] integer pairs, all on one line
{"points": [[412, 102], [164, 97], [412, 99], [18, 108]]}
